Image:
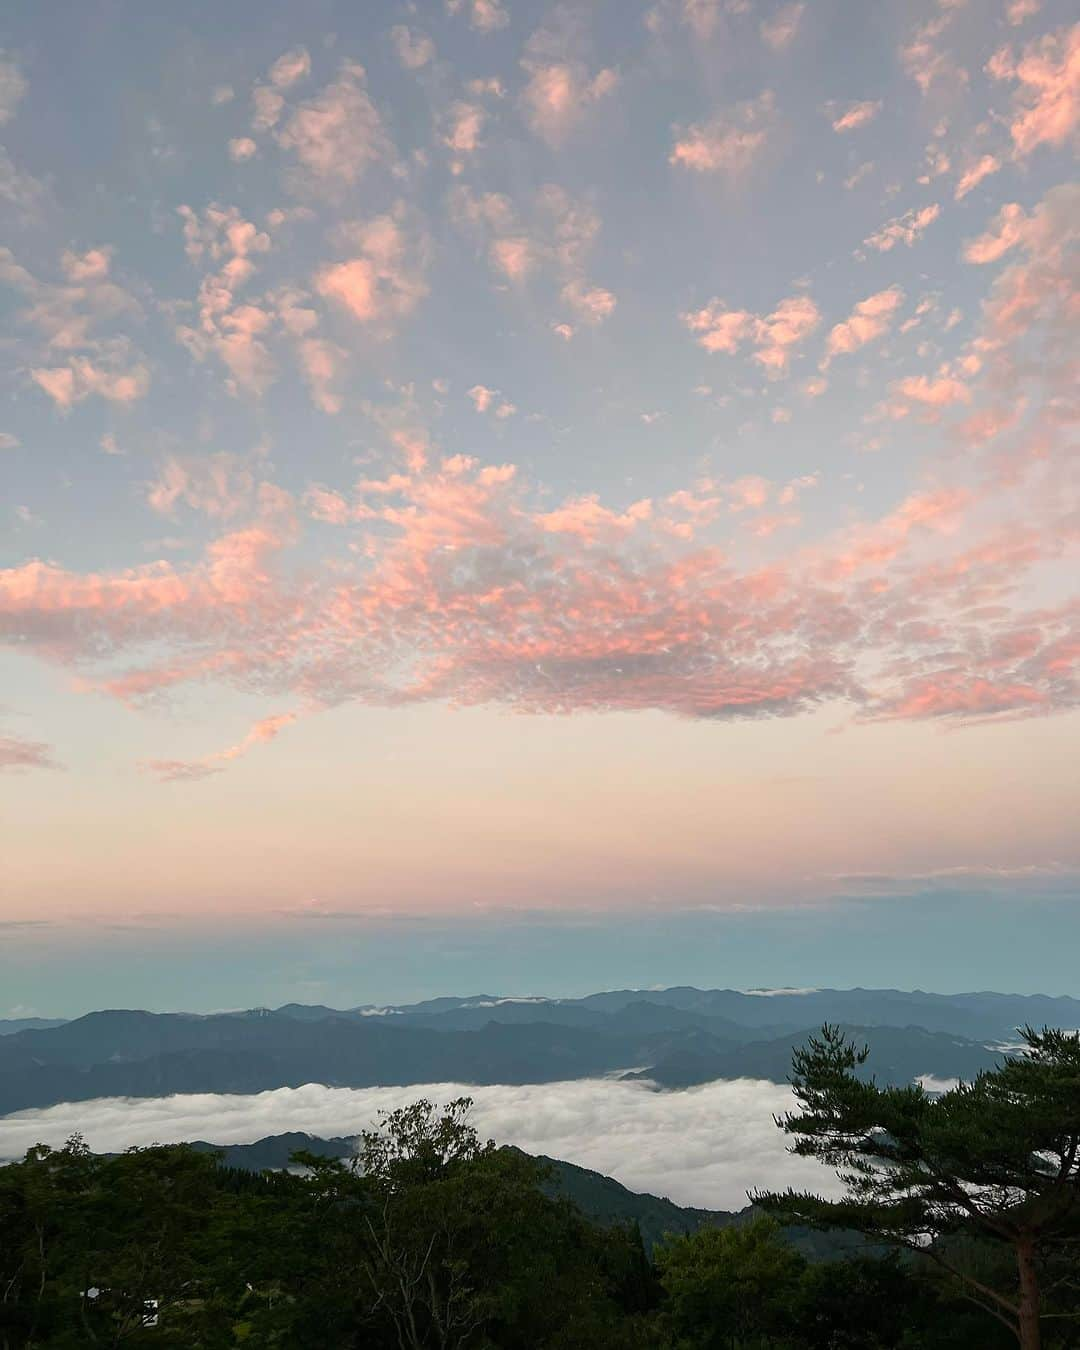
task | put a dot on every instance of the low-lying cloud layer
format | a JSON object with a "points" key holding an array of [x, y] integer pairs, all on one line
{"points": [[705, 1146]]}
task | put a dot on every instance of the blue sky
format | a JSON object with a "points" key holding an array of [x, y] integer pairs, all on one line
{"points": [[602, 459]]}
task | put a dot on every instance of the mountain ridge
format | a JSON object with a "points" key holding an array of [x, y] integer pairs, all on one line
{"points": [[675, 1038]]}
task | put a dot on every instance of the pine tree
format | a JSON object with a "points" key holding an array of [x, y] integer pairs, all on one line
{"points": [[997, 1160]]}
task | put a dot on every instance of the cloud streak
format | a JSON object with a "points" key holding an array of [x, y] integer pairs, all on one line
{"points": [[17, 753]]}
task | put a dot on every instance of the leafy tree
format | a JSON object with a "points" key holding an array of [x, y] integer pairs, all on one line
{"points": [[42, 1224], [992, 1164], [456, 1247], [729, 1286]]}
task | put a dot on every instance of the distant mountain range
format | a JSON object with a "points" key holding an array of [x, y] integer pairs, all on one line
{"points": [[674, 1037], [10, 1026]]}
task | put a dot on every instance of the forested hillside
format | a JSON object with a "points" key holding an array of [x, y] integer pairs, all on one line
{"points": [[442, 1243]]}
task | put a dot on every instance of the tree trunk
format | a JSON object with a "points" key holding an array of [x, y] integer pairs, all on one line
{"points": [[1030, 1334]]}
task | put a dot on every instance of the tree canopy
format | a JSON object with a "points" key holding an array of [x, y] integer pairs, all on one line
{"points": [[430, 1238]]}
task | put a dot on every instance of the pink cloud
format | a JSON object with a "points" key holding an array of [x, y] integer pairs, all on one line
{"points": [[337, 134], [80, 345], [16, 754], [290, 68], [232, 331], [730, 143], [321, 363], [558, 92], [13, 87], [59, 384], [870, 319], [955, 693], [793, 320], [939, 393], [790, 491], [514, 256], [464, 123], [590, 521], [591, 304], [924, 60], [722, 329], [856, 115], [414, 50], [701, 16], [774, 335], [983, 167], [329, 507], [557, 237], [70, 384], [856, 176], [486, 16], [1046, 108], [192, 770], [90, 266], [238, 345], [570, 225], [468, 594], [779, 31], [1019, 11], [764, 526], [354, 285], [296, 317], [385, 280], [873, 546], [220, 486], [490, 400], [1006, 231], [748, 493], [242, 148], [906, 229], [989, 423], [1039, 288], [222, 234], [268, 105]]}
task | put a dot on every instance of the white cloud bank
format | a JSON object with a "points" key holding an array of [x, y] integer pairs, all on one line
{"points": [[704, 1146]]}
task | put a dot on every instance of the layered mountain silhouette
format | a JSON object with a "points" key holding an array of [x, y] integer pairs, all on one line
{"points": [[675, 1038]]}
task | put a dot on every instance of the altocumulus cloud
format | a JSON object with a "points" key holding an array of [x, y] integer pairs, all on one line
{"points": [[704, 1146]]}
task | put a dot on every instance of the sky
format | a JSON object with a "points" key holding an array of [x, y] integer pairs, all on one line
{"points": [[521, 497]]}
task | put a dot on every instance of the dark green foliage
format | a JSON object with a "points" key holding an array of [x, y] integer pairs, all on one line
{"points": [[746, 1288], [730, 1286]]}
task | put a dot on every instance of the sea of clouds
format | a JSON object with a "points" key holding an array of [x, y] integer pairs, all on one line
{"points": [[704, 1146]]}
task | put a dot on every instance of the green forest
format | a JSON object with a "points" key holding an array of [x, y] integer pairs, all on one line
{"points": [[433, 1239]]}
